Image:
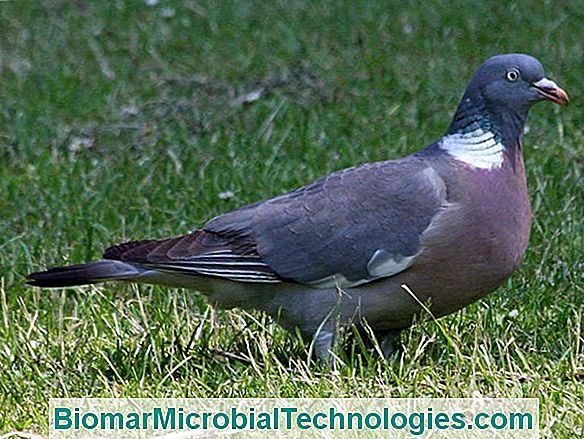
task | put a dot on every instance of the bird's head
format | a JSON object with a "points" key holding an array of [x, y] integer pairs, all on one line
{"points": [[514, 81], [503, 89]]}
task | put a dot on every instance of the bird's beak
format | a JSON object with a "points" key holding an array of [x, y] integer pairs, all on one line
{"points": [[551, 91]]}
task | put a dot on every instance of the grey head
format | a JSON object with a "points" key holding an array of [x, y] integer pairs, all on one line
{"points": [[500, 95]]}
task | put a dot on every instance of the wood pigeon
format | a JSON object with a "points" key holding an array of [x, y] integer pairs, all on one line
{"points": [[451, 222]]}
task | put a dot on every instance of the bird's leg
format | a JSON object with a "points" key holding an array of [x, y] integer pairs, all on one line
{"points": [[324, 342], [326, 336], [389, 341]]}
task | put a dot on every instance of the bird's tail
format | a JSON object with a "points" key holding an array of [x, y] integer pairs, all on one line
{"points": [[84, 274]]}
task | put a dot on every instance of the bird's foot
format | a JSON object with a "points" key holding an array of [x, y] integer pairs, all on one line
{"points": [[323, 344]]}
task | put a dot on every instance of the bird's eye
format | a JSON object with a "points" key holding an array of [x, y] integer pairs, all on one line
{"points": [[512, 75]]}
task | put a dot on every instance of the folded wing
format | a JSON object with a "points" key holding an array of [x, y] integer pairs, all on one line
{"points": [[349, 228]]}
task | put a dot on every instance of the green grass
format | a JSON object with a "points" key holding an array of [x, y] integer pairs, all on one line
{"points": [[124, 121]]}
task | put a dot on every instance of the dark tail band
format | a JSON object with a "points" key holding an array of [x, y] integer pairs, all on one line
{"points": [[83, 274]]}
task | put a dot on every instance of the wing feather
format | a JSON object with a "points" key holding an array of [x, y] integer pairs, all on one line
{"points": [[355, 225], [199, 253], [334, 227]]}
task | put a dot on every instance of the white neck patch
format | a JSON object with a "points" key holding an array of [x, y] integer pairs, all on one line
{"points": [[478, 148]]}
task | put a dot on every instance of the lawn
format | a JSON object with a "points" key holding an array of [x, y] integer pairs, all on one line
{"points": [[130, 119]]}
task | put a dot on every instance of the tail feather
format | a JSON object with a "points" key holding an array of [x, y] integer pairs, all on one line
{"points": [[84, 274]]}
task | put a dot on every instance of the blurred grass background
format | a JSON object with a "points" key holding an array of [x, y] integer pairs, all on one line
{"points": [[137, 119]]}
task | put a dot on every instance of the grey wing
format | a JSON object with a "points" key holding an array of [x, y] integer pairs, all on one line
{"points": [[200, 253], [349, 228]]}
